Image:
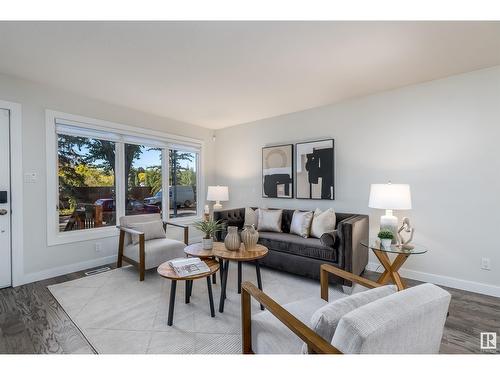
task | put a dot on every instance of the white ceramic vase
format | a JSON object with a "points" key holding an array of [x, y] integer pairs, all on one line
{"points": [[386, 243], [207, 243]]}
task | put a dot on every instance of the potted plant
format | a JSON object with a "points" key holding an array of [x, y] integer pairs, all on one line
{"points": [[386, 236], [209, 228]]}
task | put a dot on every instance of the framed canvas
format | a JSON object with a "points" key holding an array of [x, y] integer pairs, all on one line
{"points": [[315, 169], [277, 171]]}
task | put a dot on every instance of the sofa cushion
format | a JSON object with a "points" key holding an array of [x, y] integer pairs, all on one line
{"points": [[270, 336], [131, 220], [157, 251], [269, 220], [301, 223], [325, 320], [410, 322], [151, 229], [251, 217], [293, 244], [322, 222]]}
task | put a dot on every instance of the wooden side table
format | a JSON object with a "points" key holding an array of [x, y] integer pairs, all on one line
{"points": [[241, 255], [166, 271], [391, 268], [197, 250]]}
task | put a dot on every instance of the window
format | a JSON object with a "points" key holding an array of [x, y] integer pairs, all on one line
{"points": [[86, 173], [101, 171], [144, 179], [182, 182]]}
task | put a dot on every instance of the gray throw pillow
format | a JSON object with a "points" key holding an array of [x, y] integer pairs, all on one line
{"points": [[301, 223], [269, 220], [325, 320], [151, 230]]}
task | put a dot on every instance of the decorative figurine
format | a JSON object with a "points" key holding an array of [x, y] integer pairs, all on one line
{"points": [[406, 227]]}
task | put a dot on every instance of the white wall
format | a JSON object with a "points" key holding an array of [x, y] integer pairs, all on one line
{"points": [[42, 261], [441, 137]]}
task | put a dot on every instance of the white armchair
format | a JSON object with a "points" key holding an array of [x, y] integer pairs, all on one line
{"points": [[151, 247], [380, 320]]}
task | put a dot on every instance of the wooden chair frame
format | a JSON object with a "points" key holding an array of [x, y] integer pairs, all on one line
{"points": [[141, 265], [315, 343]]}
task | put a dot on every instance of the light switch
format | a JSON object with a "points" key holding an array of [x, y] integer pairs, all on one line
{"points": [[30, 178]]}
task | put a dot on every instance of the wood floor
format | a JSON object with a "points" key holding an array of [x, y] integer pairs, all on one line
{"points": [[31, 320]]}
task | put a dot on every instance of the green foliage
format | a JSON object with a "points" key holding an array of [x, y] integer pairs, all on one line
{"points": [[94, 177], [152, 178], [187, 178], [179, 173], [209, 227], [385, 234]]}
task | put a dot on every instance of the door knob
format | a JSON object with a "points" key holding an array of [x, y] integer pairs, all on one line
{"points": [[3, 211]]}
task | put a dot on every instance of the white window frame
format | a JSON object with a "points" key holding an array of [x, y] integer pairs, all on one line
{"points": [[54, 236]]}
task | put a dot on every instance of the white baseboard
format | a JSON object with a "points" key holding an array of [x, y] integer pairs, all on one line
{"points": [[452, 282], [63, 270]]}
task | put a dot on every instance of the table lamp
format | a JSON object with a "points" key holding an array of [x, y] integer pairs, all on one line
{"points": [[217, 194], [390, 197]]}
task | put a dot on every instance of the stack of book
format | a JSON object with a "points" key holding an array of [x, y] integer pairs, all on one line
{"points": [[188, 266]]}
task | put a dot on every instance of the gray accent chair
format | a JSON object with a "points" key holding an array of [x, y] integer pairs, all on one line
{"points": [[304, 256], [150, 254], [377, 321]]}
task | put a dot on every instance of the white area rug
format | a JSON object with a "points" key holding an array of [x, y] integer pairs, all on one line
{"points": [[119, 314]]}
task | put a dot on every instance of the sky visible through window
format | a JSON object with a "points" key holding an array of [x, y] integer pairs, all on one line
{"points": [[148, 158]]}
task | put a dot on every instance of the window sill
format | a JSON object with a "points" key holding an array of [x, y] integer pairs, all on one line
{"points": [[185, 220], [82, 235]]}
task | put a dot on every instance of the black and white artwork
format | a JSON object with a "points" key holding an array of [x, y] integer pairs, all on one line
{"points": [[315, 169], [277, 171]]}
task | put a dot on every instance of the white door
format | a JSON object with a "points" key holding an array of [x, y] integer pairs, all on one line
{"points": [[5, 245]]}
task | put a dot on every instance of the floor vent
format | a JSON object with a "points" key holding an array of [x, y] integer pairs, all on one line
{"points": [[99, 270]]}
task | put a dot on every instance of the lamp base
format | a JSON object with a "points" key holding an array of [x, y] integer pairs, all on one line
{"points": [[218, 206], [390, 222]]}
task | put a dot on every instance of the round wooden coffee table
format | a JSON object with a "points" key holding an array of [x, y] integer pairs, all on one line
{"points": [[166, 271], [242, 255]]}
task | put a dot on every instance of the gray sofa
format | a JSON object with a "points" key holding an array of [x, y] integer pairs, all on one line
{"points": [[304, 256]]}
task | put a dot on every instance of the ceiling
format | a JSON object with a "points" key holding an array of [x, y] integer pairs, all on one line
{"points": [[218, 74]]}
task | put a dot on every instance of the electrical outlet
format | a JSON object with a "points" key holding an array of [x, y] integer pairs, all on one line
{"points": [[486, 264], [98, 247]]}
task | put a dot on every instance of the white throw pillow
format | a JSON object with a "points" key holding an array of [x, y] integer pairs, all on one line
{"points": [[326, 319], [323, 222], [252, 217], [151, 230], [269, 220], [301, 223]]}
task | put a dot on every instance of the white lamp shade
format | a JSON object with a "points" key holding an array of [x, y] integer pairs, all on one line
{"points": [[390, 196], [218, 193]]}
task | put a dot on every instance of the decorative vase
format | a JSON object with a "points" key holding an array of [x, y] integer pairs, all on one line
{"points": [[232, 240], [386, 243], [249, 237], [207, 243]]}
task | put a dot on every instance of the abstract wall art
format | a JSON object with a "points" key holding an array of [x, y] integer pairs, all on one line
{"points": [[277, 171], [315, 173]]}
